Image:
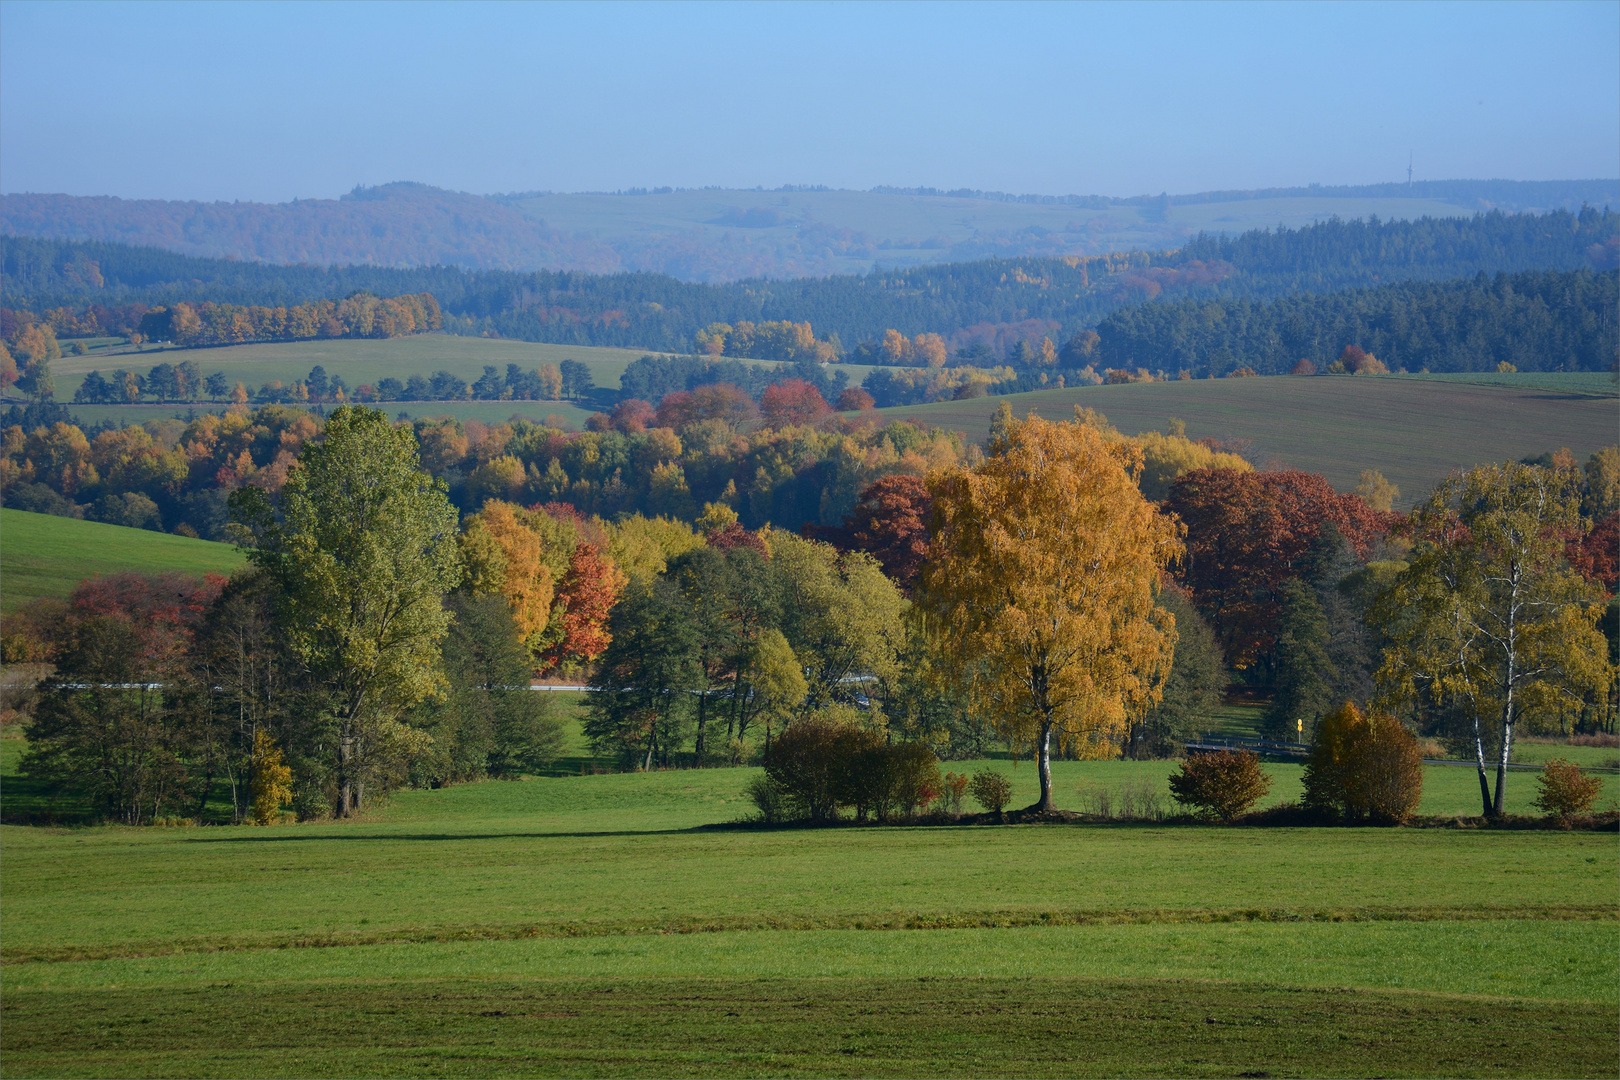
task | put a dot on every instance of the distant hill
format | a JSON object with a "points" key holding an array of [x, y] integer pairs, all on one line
{"points": [[716, 235], [992, 304]]}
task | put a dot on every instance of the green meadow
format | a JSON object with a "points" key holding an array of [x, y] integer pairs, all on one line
{"points": [[603, 925], [43, 555], [1414, 430]]}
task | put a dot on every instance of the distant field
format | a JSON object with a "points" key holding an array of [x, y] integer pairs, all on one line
{"points": [[358, 361], [1413, 430], [489, 412], [43, 555]]}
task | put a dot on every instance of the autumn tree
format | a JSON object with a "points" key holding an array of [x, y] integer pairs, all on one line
{"points": [[1247, 533], [891, 524], [363, 545], [1488, 617], [115, 720], [792, 401], [1042, 579]]}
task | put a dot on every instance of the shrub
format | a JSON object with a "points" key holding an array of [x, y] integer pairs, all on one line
{"points": [[1223, 784], [991, 790], [954, 787], [916, 776], [1364, 768], [826, 761], [769, 799], [1565, 790], [272, 780], [805, 762], [1139, 799]]}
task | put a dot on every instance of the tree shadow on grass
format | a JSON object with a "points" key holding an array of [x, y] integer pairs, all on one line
{"points": [[433, 837]]}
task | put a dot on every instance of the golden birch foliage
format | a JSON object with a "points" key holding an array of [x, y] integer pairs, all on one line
{"points": [[272, 779], [1042, 579], [526, 582]]}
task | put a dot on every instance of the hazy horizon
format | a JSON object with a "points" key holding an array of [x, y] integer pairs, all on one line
{"points": [[265, 103]]}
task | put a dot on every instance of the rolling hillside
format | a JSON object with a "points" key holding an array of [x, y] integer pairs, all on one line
{"points": [[1413, 430], [41, 555]]}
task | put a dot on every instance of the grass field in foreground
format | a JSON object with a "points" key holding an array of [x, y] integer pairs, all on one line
{"points": [[578, 926], [45, 555], [1412, 430]]}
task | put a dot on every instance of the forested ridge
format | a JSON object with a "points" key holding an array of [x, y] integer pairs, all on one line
{"points": [[1536, 321], [994, 303]]}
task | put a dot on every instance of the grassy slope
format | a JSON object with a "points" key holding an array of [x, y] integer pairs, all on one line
{"points": [[1414, 431], [42, 555], [437, 898]]}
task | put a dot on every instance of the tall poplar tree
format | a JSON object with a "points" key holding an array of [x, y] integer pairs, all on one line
{"points": [[1042, 577], [363, 544]]}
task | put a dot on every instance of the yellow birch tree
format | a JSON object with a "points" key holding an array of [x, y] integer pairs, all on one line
{"points": [[1042, 578]]}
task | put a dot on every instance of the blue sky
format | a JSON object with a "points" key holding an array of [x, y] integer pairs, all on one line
{"points": [[272, 101]]}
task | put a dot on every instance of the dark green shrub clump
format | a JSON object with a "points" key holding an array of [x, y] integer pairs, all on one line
{"points": [[821, 764], [1221, 785]]}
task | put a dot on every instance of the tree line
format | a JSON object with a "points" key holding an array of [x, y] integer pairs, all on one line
{"points": [[1535, 321], [1069, 591]]}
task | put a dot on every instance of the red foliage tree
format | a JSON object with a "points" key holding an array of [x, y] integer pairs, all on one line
{"points": [[792, 401], [164, 608], [718, 401], [891, 523], [735, 536], [1304, 367], [1596, 554], [854, 399], [1248, 532], [629, 416], [587, 593]]}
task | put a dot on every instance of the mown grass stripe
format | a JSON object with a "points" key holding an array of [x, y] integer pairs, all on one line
{"points": [[873, 921]]}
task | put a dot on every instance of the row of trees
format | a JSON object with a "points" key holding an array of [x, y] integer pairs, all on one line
{"points": [[360, 652], [359, 316], [1021, 596]]}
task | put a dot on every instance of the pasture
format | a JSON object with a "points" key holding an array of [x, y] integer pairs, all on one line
{"points": [[590, 925], [1413, 430], [358, 361], [44, 555]]}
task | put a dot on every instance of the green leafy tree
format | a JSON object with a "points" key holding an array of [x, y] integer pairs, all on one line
{"points": [[647, 676], [1488, 618], [1192, 693], [1303, 690], [363, 545], [488, 722], [840, 613]]}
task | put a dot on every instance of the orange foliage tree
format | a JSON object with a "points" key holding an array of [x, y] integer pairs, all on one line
{"points": [[1042, 578]]}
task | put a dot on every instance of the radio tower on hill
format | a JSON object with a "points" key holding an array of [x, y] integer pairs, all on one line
{"points": [[1409, 170]]}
